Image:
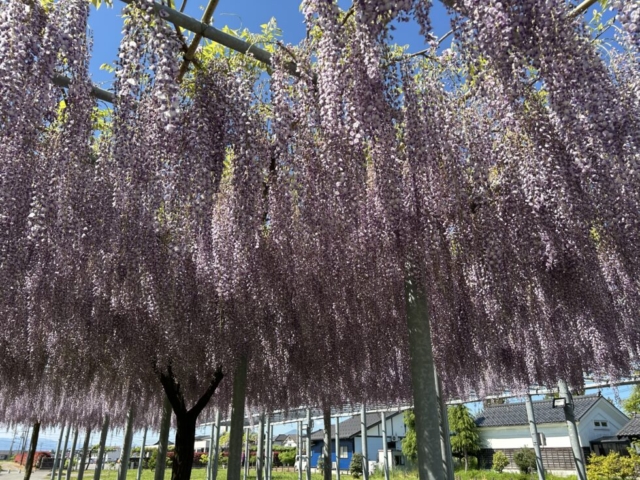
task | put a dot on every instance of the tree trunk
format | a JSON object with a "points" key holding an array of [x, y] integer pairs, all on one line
{"points": [[185, 420], [326, 448], [466, 461], [32, 451], [183, 448]]}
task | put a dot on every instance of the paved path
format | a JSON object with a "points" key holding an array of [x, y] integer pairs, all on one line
{"points": [[16, 472]]}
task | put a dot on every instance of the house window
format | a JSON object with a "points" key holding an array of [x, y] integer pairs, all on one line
{"points": [[343, 451], [601, 424]]}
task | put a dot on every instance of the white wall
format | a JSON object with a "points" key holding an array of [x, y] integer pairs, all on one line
{"points": [[601, 411], [556, 433], [519, 436]]}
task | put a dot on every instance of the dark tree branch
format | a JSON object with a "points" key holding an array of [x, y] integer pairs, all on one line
{"points": [[204, 399], [172, 389]]}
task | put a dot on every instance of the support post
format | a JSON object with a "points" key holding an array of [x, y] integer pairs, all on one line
{"points": [[385, 451], [126, 446], [64, 452], [163, 442], [269, 456], [142, 453], [260, 449], [445, 439], [425, 399], [308, 443], [247, 454], [72, 454], [237, 420], [56, 458], [299, 449], [28, 468], [578, 456], [85, 450], [533, 429], [215, 447], [363, 437], [13, 439], [101, 448], [23, 446], [337, 448]]}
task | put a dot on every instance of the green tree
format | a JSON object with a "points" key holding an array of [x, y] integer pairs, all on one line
{"points": [[355, 469], [409, 443], [287, 457], [500, 461], [632, 404], [465, 439], [525, 459]]}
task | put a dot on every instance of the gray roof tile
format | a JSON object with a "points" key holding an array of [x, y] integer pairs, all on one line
{"points": [[632, 428], [516, 414], [351, 427]]}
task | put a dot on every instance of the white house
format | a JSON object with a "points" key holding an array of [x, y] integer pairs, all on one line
{"points": [[505, 427]]}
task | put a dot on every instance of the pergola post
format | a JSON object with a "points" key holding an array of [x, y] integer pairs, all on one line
{"points": [[337, 448], [101, 448], [425, 399], [28, 468], [308, 440], [142, 454], [363, 437], [236, 427], [56, 458], [163, 441], [64, 453], [299, 449], [578, 455], [247, 454], [445, 439], [385, 451], [72, 453], [260, 450], [126, 446], [269, 455], [85, 450]]}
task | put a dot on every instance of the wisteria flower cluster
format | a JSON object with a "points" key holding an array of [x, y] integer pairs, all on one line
{"points": [[210, 222]]}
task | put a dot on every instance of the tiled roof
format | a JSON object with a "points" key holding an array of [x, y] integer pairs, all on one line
{"points": [[509, 414], [632, 428], [351, 427]]}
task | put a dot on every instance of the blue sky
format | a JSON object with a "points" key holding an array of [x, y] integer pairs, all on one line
{"points": [[106, 25]]}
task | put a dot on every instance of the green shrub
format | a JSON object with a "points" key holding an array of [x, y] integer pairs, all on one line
{"points": [[355, 469], [500, 461], [525, 459], [610, 466]]}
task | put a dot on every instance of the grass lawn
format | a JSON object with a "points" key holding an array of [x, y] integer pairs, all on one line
{"points": [[200, 474]]}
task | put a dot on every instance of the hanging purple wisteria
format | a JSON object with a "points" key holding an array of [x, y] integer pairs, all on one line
{"points": [[210, 223]]}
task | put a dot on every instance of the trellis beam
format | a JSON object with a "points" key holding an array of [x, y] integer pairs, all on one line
{"points": [[215, 35]]}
